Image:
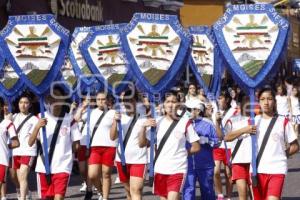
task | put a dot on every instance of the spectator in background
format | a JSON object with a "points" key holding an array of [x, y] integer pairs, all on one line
{"points": [[202, 95], [295, 108], [192, 92], [283, 107]]}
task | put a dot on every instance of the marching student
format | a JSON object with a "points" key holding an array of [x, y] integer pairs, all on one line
{"points": [[24, 155], [241, 130], [102, 148], [81, 117], [171, 157], [295, 108], [273, 133], [133, 173], [201, 165], [221, 118], [282, 102], [7, 132], [63, 138]]}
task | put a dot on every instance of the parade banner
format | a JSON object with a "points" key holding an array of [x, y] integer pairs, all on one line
{"points": [[102, 51], [253, 39], [10, 83], [81, 68], [204, 59], [35, 46], [157, 47], [68, 76]]}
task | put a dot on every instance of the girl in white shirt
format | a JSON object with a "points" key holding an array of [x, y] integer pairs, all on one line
{"points": [[240, 131], [295, 108], [67, 141], [24, 155], [282, 103], [7, 131], [171, 165], [135, 155], [272, 167]]}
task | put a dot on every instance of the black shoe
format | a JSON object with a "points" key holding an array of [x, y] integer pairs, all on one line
{"points": [[88, 195]]}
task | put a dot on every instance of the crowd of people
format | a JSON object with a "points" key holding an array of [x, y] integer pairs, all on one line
{"points": [[195, 138]]}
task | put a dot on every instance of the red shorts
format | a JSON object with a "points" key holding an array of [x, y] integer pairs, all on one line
{"points": [[17, 161], [3, 170], [268, 185], [240, 171], [136, 170], [163, 184], [81, 154], [102, 156], [59, 184], [219, 154]]}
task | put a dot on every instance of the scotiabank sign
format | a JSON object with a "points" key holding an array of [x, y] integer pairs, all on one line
{"points": [[84, 10]]}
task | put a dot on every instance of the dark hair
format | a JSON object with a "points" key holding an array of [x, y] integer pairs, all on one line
{"points": [[60, 90], [130, 94], [194, 84], [266, 88], [284, 90], [224, 92], [172, 93], [25, 95]]}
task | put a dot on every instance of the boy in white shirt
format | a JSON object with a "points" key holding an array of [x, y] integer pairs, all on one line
{"points": [[24, 155], [68, 138], [171, 165]]}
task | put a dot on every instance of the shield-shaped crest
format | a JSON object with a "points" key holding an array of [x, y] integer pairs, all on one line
{"points": [[35, 46], [10, 83], [81, 68], [156, 46], [204, 58], [102, 51], [68, 74], [253, 38]]}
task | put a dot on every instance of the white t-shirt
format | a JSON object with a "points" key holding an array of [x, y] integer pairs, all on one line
{"points": [[173, 156], [102, 134], [244, 153], [282, 105], [24, 149], [273, 160], [62, 160], [225, 122], [7, 131], [295, 104], [133, 153], [81, 125]]}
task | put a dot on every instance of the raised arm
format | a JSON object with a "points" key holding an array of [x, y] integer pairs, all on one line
{"points": [[36, 130], [114, 126], [142, 134]]}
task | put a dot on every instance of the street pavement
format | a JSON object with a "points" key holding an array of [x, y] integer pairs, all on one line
{"points": [[291, 189]]}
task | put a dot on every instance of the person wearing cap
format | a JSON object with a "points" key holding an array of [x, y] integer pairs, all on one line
{"points": [[201, 165]]}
